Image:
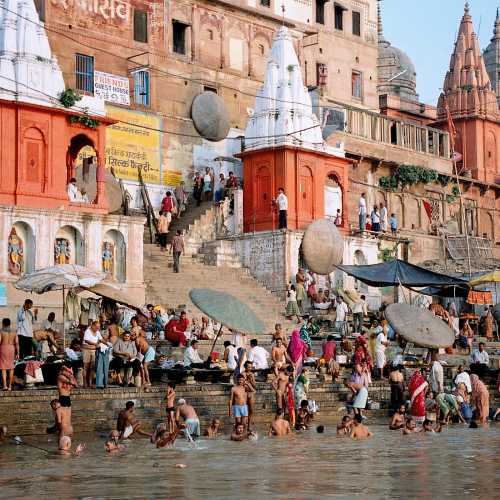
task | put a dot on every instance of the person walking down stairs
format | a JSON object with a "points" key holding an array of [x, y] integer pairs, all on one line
{"points": [[177, 250]]}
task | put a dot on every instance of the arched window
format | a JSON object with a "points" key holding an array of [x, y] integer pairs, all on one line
{"points": [[333, 198]]}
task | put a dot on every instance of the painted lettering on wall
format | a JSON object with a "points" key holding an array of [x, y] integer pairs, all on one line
{"points": [[107, 9], [132, 144]]}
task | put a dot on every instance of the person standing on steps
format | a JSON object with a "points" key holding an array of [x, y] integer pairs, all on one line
{"points": [[177, 250], [282, 204], [163, 224], [362, 212], [197, 188]]}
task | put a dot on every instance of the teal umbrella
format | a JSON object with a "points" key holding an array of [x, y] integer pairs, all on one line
{"points": [[226, 310]]}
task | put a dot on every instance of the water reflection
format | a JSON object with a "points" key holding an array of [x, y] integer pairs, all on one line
{"points": [[457, 462]]}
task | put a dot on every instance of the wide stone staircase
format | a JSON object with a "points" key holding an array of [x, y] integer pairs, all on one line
{"points": [[208, 263]]}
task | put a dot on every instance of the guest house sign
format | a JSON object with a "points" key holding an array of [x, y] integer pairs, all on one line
{"points": [[112, 88], [118, 10]]}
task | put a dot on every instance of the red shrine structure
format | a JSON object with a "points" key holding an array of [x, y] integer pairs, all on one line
{"points": [[284, 148]]}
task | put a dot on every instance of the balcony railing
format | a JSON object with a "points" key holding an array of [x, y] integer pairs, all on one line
{"points": [[381, 128]]}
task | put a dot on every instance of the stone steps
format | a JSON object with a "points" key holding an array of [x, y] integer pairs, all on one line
{"points": [[207, 263]]}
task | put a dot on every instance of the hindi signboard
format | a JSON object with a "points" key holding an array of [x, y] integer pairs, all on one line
{"points": [[132, 143], [112, 88]]}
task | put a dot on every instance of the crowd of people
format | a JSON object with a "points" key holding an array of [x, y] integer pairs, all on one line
{"points": [[378, 221]]}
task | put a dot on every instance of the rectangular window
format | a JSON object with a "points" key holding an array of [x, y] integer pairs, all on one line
{"points": [[140, 26], [179, 37], [339, 17], [357, 85], [356, 23], [265, 3], [320, 11], [84, 73], [40, 8], [209, 89], [141, 88]]}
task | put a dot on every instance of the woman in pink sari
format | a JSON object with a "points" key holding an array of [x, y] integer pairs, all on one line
{"points": [[417, 388], [297, 350], [480, 399]]}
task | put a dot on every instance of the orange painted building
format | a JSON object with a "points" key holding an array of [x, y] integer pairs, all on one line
{"points": [[39, 147], [302, 173]]}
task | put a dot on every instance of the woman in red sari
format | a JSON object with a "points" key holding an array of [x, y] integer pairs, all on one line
{"points": [[417, 388], [361, 353]]}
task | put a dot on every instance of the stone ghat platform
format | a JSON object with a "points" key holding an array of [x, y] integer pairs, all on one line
{"points": [[28, 412]]}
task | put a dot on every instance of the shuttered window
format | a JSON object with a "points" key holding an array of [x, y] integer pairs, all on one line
{"points": [[356, 23], [141, 88], [140, 26], [84, 73]]}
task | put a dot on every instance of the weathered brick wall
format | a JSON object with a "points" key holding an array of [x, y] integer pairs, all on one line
{"points": [[28, 412]]}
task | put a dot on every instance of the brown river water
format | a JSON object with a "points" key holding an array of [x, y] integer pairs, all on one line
{"points": [[459, 462]]}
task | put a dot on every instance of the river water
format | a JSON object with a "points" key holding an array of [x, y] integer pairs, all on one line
{"points": [[459, 462]]}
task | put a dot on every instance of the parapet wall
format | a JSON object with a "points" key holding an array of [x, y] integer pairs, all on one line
{"points": [[28, 412]]}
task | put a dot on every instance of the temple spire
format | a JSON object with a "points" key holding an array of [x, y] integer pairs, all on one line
{"points": [[467, 85], [380, 28]]}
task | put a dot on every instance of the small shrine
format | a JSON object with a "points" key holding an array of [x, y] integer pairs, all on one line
{"points": [[284, 148], [44, 219]]}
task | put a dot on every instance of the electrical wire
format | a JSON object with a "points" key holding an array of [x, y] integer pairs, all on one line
{"points": [[52, 99]]}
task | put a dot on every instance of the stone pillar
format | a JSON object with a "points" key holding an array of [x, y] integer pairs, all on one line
{"points": [[45, 237], [93, 240], [134, 249], [4, 237], [238, 211]]}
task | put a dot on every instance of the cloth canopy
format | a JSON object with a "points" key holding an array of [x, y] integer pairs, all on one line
{"points": [[493, 277], [448, 291], [398, 272]]}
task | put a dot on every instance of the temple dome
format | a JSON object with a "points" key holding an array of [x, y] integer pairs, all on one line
{"points": [[396, 71]]}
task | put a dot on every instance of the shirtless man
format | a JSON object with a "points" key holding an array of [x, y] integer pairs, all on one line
{"points": [[213, 429], [251, 389], [170, 406], [410, 426], [345, 426], [279, 385], [279, 356], [427, 426], [145, 353], [238, 406], [165, 438], [9, 345], [279, 334], [304, 416], [398, 419], [280, 426], [112, 445], [65, 446], [359, 431], [190, 419], [126, 423], [239, 433], [65, 383]]}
